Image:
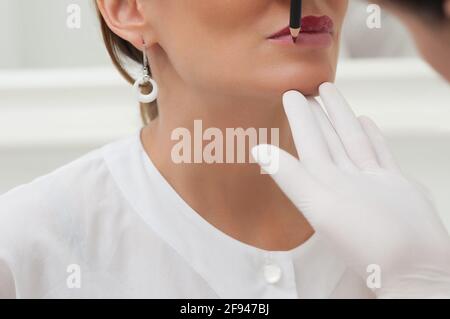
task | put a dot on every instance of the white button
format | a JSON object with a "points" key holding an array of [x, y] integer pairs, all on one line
{"points": [[272, 273]]}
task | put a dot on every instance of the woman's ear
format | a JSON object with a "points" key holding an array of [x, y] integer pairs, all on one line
{"points": [[126, 19]]}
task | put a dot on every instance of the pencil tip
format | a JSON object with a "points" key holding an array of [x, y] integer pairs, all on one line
{"points": [[294, 34]]}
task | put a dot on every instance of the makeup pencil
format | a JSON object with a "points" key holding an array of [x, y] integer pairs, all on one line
{"points": [[295, 24]]}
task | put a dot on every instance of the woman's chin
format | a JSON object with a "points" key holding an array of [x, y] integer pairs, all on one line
{"points": [[310, 90], [306, 80], [307, 88]]}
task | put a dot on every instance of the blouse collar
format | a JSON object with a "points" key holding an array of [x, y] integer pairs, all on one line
{"points": [[232, 268]]}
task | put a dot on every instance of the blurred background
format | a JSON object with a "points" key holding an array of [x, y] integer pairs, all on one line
{"points": [[60, 96]]}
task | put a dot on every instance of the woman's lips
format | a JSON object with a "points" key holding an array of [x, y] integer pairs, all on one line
{"points": [[316, 32]]}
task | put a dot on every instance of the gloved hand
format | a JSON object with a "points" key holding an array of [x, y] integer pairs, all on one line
{"points": [[350, 189]]}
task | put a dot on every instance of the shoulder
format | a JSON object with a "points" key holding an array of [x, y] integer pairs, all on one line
{"points": [[63, 197], [67, 181]]}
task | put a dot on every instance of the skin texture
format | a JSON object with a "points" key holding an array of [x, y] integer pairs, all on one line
{"points": [[212, 61], [432, 39]]}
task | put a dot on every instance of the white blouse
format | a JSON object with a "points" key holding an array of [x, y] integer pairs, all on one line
{"points": [[108, 225]]}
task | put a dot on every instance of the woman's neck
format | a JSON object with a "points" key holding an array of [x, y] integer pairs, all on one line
{"points": [[235, 197]]}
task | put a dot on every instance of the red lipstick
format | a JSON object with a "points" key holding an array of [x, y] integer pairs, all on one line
{"points": [[316, 31]]}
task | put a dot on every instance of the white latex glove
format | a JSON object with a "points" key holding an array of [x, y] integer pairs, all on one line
{"points": [[350, 189]]}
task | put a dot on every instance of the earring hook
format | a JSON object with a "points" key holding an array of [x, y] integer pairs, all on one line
{"points": [[145, 58]]}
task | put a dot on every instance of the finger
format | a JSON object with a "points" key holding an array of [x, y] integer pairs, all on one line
{"points": [[308, 138], [335, 146], [384, 155], [291, 176], [348, 128]]}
